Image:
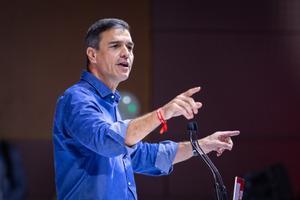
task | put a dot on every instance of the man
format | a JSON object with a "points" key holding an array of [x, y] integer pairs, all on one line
{"points": [[96, 152]]}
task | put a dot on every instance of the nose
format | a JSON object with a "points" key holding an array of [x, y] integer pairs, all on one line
{"points": [[124, 52]]}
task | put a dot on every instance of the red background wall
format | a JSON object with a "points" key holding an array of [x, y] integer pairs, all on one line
{"points": [[246, 56]]}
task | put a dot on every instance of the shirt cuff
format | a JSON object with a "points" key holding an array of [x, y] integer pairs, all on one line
{"points": [[165, 156]]}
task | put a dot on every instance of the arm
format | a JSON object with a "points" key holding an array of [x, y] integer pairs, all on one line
{"points": [[87, 123], [219, 142], [182, 104]]}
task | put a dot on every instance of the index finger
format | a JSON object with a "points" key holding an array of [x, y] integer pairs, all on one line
{"points": [[192, 91], [229, 133]]}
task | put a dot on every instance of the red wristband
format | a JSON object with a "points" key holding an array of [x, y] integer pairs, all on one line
{"points": [[164, 127]]}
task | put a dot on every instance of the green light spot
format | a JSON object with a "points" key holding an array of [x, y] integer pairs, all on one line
{"points": [[132, 108]]}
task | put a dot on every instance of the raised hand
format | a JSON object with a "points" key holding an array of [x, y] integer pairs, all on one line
{"points": [[182, 104]]}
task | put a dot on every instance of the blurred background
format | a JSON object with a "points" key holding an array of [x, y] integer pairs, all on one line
{"points": [[244, 54]]}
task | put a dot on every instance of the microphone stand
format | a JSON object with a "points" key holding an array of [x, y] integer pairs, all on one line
{"points": [[220, 188]]}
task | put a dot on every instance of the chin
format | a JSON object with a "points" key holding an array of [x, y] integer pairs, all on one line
{"points": [[123, 77]]}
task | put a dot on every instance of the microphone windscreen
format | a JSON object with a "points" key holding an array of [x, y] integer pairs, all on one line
{"points": [[192, 126], [195, 126]]}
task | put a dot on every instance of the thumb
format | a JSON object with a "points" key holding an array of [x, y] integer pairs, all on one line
{"points": [[223, 145]]}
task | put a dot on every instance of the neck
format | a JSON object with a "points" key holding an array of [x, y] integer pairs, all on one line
{"points": [[109, 83]]}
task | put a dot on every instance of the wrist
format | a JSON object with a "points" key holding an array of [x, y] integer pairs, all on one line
{"points": [[203, 144], [162, 120], [194, 152], [163, 113]]}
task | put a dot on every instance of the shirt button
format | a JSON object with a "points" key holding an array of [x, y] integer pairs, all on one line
{"points": [[112, 96], [129, 183]]}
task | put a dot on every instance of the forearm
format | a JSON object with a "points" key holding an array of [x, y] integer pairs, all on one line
{"points": [[183, 104], [219, 141], [184, 152], [140, 127]]}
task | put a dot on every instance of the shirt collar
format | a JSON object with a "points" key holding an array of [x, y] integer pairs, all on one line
{"points": [[101, 88]]}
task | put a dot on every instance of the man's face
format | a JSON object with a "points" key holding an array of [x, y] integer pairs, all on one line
{"points": [[114, 58]]}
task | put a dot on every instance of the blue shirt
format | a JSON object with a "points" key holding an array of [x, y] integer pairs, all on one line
{"points": [[91, 158]]}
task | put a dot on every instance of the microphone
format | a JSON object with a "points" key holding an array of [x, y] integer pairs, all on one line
{"points": [[220, 188]]}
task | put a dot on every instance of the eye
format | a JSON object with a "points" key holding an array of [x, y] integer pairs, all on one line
{"points": [[114, 46], [130, 48]]}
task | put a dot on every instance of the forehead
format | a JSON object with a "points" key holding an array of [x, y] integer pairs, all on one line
{"points": [[116, 34]]}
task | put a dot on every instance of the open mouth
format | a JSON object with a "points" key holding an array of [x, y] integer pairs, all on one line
{"points": [[124, 64]]}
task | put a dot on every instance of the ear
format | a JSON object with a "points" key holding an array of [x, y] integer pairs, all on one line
{"points": [[91, 54]]}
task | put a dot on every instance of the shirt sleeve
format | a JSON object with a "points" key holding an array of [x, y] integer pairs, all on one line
{"points": [[85, 122], [154, 159]]}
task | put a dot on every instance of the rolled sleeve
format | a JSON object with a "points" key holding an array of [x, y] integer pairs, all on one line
{"points": [[118, 130], [165, 156], [153, 159], [87, 123], [131, 149]]}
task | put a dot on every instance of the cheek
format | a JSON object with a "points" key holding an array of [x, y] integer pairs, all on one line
{"points": [[110, 60]]}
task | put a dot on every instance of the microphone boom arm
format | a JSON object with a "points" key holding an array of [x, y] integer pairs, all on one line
{"points": [[220, 188]]}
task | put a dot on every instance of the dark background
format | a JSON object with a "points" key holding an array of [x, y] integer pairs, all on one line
{"points": [[244, 54]]}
